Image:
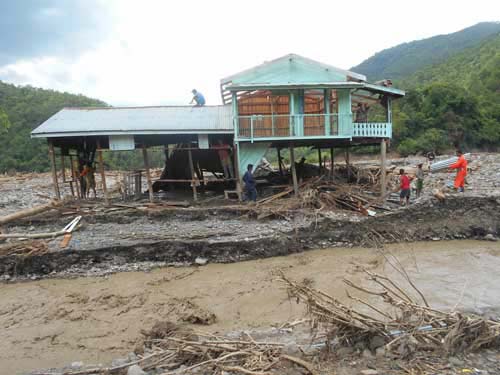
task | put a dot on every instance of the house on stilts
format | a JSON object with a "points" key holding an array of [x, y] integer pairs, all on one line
{"points": [[286, 103]]}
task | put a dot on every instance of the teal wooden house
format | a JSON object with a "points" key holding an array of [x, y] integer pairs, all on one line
{"points": [[285, 103], [294, 101]]}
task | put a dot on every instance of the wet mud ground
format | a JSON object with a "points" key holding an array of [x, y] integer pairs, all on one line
{"points": [[53, 322], [50, 316]]}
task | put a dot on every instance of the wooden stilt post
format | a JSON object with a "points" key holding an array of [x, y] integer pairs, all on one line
{"points": [[74, 177], [63, 167], [236, 162], [331, 159], [103, 175], [319, 160], [279, 161], [383, 168], [294, 171], [148, 172], [52, 158], [193, 180], [347, 163]]}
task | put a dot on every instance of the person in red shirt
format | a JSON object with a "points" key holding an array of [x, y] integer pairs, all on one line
{"points": [[404, 181], [461, 167]]}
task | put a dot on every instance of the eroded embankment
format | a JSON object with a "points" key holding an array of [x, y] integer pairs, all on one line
{"points": [[457, 218]]}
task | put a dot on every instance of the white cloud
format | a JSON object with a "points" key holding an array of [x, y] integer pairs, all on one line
{"points": [[157, 51]]}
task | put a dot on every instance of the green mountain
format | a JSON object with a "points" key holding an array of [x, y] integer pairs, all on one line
{"points": [[23, 108], [407, 58], [455, 102], [468, 68]]}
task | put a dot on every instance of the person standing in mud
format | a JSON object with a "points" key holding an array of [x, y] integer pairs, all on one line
{"points": [[461, 167], [404, 184], [420, 179], [249, 180]]}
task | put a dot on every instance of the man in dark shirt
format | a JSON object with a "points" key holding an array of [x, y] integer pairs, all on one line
{"points": [[249, 181]]}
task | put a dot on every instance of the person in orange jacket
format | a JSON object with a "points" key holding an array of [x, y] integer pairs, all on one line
{"points": [[461, 167]]}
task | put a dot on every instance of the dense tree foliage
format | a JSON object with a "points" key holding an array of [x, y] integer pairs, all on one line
{"points": [[455, 103], [407, 58], [21, 110], [453, 98]]}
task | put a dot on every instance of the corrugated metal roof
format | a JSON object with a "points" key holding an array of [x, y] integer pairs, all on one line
{"points": [[137, 120]]}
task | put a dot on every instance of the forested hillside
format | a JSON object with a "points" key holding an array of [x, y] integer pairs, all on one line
{"points": [[21, 110], [455, 103], [407, 58]]}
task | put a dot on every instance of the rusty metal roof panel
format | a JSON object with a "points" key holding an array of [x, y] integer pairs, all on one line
{"points": [[137, 120]]}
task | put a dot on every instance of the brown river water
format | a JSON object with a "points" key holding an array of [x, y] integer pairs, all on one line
{"points": [[53, 322]]}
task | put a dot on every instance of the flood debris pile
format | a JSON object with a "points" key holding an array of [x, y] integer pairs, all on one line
{"points": [[24, 248], [319, 195], [169, 348], [407, 328]]}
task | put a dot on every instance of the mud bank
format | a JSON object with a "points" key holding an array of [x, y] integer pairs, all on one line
{"points": [[54, 322], [227, 239]]}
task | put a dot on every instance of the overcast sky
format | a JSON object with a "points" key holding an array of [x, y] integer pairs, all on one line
{"points": [[131, 52]]}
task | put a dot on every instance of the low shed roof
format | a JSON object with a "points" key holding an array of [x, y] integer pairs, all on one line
{"points": [[71, 122]]}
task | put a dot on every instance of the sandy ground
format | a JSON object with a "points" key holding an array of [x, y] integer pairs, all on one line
{"points": [[53, 322]]}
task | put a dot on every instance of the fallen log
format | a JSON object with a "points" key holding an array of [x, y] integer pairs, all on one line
{"points": [[30, 212], [32, 235]]}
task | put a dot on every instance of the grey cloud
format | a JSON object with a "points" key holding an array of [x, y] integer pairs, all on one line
{"points": [[33, 28]]}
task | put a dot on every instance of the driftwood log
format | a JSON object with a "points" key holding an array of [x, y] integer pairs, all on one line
{"points": [[30, 212]]}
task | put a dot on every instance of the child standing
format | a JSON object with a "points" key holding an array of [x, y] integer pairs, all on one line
{"points": [[404, 195]]}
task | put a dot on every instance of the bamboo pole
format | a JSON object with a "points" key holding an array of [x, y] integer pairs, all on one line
{"points": [[191, 168], [148, 172], [103, 175], [294, 171], [52, 158]]}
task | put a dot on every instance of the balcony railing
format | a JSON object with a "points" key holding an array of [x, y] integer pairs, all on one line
{"points": [[286, 126], [305, 126], [372, 129]]}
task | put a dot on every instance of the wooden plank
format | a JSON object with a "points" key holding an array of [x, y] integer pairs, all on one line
{"points": [[65, 241]]}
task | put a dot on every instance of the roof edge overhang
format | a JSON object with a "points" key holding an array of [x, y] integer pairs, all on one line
{"points": [[135, 132], [319, 85], [384, 90], [292, 86]]}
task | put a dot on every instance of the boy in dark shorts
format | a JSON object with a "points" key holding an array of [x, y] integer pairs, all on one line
{"points": [[404, 195], [420, 179]]}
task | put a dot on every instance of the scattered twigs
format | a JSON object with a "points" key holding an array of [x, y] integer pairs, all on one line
{"points": [[405, 325], [309, 367]]}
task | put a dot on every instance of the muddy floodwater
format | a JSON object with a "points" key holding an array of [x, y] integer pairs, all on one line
{"points": [[53, 322]]}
